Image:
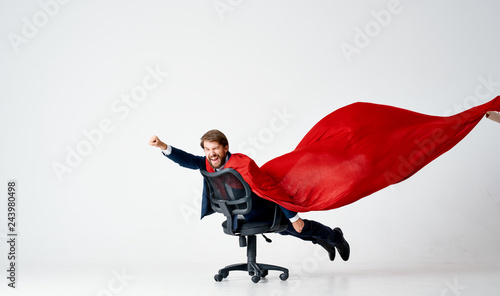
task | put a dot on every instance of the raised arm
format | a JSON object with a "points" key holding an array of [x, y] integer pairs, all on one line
{"points": [[178, 156]]}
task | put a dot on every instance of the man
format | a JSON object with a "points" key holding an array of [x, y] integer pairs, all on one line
{"points": [[216, 148]]}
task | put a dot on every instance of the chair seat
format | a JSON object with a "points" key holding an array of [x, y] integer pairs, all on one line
{"points": [[251, 228]]}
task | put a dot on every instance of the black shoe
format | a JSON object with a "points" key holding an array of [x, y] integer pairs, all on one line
{"points": [[342, 245], [329, 248]]}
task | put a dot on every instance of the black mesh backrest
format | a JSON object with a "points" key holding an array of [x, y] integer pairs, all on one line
{"points": [[228, 192]]}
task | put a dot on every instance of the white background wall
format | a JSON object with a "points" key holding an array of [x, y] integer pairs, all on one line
{"points": [[234, 65]]}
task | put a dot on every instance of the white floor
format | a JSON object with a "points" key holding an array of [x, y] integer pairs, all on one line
{"points": [[307, 275]]}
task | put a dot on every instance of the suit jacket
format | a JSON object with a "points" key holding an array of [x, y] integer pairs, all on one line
{"points": [[262, 209]]}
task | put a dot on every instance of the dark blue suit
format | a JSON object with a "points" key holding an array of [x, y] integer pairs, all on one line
{"points": [[262, 209]]}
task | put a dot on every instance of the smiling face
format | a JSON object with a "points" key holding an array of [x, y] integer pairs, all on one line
{"points": [[215, 153]]}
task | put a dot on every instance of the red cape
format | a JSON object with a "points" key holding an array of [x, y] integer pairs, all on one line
{"points": [[355, 151]]}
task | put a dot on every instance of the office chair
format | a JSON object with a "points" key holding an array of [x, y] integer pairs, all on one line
{"points": [[230, 195]]}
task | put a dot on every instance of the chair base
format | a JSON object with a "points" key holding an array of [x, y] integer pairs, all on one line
{"points": [[254, 269]]}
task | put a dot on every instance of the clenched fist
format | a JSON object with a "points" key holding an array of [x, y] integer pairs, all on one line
{"points": [[156, 142], [298, 225]]}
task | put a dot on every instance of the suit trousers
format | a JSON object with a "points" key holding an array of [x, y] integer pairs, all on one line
{"points": [[313, 231]]}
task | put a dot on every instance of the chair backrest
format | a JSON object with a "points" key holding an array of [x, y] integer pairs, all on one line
{"points": [[229, 194]]}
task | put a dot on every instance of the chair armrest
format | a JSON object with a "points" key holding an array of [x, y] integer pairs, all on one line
{"points": [[229, 219], [277, 219]]}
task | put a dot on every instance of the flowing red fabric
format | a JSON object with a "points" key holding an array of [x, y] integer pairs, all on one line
{"points": [[355, 151]]}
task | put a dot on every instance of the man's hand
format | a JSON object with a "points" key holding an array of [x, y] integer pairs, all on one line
{"points": [[298, 225], [495, 116], [156, 142]]}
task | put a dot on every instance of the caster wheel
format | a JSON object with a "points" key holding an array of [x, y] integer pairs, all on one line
{"points": [[284, 276], [255, 279], [251, 272], [218, 277], [264, 273]]}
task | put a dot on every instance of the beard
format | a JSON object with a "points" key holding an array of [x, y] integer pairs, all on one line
{"points": [[217, 161]]}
